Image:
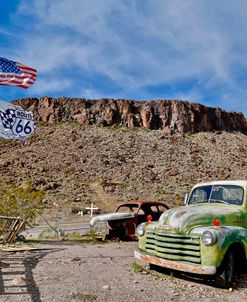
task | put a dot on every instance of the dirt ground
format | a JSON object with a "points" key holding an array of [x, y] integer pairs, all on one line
{"points": [[65, 272], [98, 272]]}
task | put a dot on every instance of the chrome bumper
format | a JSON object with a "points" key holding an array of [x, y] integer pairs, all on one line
{"points": [[176, 265]]}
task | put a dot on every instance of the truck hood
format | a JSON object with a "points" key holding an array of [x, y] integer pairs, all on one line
{"points": [[108, 217], [188, 217]]}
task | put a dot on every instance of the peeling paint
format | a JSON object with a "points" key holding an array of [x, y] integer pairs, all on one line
{"points": [[175, 241]]}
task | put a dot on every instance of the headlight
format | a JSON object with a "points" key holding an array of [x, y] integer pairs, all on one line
{"points": [[208, 238], [140, 230]]}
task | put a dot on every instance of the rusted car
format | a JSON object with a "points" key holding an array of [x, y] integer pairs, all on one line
{"points": [[122, 224]]}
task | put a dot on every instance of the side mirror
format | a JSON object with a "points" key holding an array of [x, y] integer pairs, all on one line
{"points": [[185, 199]]}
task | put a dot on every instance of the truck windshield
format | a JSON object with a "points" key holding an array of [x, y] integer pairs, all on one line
{"points": [[228, 194]]}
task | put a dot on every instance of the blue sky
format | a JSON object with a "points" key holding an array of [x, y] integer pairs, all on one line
{"points": [[136, 49]]}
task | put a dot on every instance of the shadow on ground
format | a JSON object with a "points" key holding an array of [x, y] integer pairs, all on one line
{"points": [[240, 280], [16, 273]]}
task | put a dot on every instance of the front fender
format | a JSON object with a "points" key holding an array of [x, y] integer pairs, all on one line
{"points": [[226, 237], [111, 217]]}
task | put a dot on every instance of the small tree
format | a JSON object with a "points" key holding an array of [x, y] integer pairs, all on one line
{"points": [[177, 200], [19, 201]]}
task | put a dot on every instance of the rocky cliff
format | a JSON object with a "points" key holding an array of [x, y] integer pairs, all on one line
{"points": [[82, 162], [169, 115]]}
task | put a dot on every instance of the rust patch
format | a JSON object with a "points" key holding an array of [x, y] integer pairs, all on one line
{"points": [[176, 265]]}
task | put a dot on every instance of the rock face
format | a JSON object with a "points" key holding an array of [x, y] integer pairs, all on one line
{"points": [[169, 115]]}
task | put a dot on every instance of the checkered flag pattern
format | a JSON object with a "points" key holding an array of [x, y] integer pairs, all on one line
{"points": [[8, 118]]}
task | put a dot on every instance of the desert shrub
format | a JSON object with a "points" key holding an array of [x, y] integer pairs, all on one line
{"points": [[21, 201], [136, 267]]}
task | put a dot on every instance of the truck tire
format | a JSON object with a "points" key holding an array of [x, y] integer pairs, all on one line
{"points": [[225, 274]]}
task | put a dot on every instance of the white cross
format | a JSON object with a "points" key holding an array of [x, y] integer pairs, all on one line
{"points": [[92, 209]]}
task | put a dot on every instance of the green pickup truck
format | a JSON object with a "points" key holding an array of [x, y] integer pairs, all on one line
{"points": [[206, 236]]}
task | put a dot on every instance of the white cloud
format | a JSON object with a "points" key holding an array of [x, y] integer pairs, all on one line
{"points": [[137, 43], [53, 84]]}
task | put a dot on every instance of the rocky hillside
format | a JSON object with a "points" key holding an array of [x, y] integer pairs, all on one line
{"points": [[76, 163], [171, 116]]}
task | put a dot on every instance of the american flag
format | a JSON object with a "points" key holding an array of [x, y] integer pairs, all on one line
{"points": [[16, 74]]}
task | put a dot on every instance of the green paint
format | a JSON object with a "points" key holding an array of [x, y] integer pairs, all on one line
{"points": [[177, 236]]}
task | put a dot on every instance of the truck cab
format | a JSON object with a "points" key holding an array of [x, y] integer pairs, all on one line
{"points": [[206, 236]]}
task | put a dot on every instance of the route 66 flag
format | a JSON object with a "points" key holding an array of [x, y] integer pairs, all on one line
{"points": [[15, 122]]}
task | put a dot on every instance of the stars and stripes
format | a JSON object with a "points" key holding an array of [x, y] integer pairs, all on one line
{"points": [[16, 74]]}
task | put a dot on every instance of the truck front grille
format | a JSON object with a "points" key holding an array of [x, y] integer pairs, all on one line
{"points": [[174, 246]]}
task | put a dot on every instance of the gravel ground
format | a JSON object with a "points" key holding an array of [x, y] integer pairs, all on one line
{"points": [[65, 272]]}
